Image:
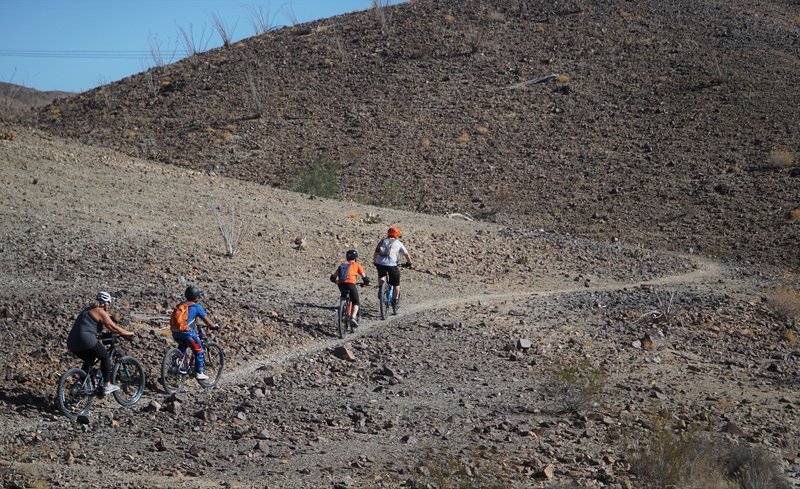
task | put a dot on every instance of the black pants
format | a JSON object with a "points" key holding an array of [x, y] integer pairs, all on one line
{"points": [[345, 288], [392, 272], [89, 356]]}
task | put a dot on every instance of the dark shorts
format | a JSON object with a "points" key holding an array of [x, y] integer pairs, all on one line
{"points": [[392, 272], [345, 288]]}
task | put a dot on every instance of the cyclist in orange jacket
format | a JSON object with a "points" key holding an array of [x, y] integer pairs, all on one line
{"points": [[345, 277]]}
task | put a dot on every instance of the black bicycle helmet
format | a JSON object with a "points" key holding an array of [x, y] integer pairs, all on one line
{"points": [[192, 293], [351, 255]]}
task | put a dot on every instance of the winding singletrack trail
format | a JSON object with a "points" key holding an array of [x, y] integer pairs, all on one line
{"points": [[705, 269]]}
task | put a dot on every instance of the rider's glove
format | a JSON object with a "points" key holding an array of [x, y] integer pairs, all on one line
{"points": [[333, 277], [408, 265], [365, 280]]}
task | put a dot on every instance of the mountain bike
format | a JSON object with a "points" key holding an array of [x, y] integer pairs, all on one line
{"points": [[178, 365], [344, 315], [386, 297], [77, 389]]}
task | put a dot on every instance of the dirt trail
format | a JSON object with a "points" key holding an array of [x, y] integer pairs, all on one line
{"points": [[705, 269]]}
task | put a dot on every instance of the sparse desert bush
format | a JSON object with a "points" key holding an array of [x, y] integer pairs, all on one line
{"points": [[475, 40], [576, 387], [445, 470], [257, 94], [666, 313], [224, 30], [781, 158], [318, 179], [379, 8], [785, 301], [665, 460], [794, 214], [233, 225]]}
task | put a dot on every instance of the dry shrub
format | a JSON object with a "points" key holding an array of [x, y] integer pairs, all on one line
{"points": [[781, 158], [444, 469], [794, 214], [785, 301], [575, 388], [233, 225], [562, 78], [463, 138], [667, 460], [6, 134]]}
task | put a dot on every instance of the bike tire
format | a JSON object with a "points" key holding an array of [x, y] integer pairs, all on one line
{"points": [[74, 395], [129, 376], [214, 362], [172, 379], [383, 299], [341, 319]]}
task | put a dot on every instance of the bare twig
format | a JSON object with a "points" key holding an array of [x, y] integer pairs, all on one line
{"points": [[533, 81], [465, 217], [256, 94], [261, 20], [192, 45], [225, 32], [233, 227]]}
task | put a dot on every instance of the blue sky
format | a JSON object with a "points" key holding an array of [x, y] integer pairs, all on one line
{"points": [[76, 45]]}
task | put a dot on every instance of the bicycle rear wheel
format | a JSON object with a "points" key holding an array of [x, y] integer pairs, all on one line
{"points": [[75, 393], [214, 361], [383, 298], [172, 377], [129, 376], [342, 319]]}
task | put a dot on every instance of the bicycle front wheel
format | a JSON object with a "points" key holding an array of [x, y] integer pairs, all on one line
{"points": [[342, 319], [172, 374], [383, 299], [129, 376], [75, 393], [214, 361]]}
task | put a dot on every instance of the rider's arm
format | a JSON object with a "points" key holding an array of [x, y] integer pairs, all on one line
{"points": [[101, 316], [210, 323]]}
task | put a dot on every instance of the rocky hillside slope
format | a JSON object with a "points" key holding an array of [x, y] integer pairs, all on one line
{"points": [[16, 100], [520, 358], [664, 123]]}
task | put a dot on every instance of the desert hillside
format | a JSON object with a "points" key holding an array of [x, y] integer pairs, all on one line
{"points": [[520, 357], [600, 198], [653, 122], [17, 100]]}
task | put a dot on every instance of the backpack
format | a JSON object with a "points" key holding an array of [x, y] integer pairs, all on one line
{"points": [[342, 272], [385, 246], [178, 321]]}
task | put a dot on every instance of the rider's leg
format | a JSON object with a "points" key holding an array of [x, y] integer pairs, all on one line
{"points": [[354, 299], [394, 279], [105, 362], [88, 358], [197, 348]]}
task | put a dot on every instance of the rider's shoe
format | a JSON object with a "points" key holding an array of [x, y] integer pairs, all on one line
{"points": [[395, 306], [354, 322], [108, 389], [200, 376]]}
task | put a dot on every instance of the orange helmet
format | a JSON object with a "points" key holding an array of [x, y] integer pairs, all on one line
{"points": [[394, 232]]}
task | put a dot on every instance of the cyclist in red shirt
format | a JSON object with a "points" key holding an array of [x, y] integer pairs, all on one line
{"points": [[345, 277]]}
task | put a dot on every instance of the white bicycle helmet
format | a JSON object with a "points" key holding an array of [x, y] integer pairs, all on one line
{"points": [[103, 298]]}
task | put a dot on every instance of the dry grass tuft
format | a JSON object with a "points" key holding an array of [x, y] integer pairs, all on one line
{"points": [[785, 301], [665, 460], [463, 138], [575, 388], [562, 78], [781, 158], [794, 214]]}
